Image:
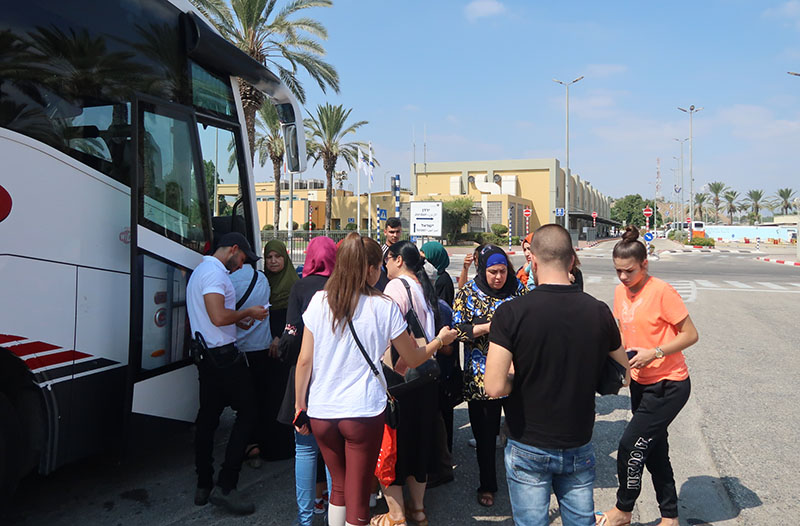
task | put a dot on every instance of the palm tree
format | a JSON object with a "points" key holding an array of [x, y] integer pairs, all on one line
{"points": [[784, 196], [273, 42], [731, 207], [754, 199], [699, 204], [269, 145], [325, 133], [715, 189]]}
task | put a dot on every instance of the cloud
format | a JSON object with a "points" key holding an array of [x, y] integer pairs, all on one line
{"points": [[787, 12], [410, 107], [483, 8], [605, 70]]}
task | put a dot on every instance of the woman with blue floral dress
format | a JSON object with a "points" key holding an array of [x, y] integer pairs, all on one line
{"points": [[473, 309]]}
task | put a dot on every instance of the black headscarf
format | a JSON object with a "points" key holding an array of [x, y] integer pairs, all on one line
{"points": [[511, 285]]}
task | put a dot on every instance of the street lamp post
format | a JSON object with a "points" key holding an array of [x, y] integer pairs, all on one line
{"points": [[691, 111], [568, 177], [683, 201]]}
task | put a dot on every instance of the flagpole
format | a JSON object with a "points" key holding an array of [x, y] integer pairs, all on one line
{"points": [[358, 194], [369, 198]]}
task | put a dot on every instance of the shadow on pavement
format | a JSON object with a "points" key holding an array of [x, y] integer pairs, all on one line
{"points": [[741, 497]]}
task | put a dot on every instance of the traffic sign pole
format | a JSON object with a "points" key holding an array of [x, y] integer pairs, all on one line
{"points": [[378, 219], [527, 214], [509, 229]]}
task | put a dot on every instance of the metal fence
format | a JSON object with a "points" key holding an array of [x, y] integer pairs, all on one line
{"points": [[300, 238]]}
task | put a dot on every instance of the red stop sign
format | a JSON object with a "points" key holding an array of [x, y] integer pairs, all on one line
{"points": [[526, 212], [594, 215], [647, 212]]}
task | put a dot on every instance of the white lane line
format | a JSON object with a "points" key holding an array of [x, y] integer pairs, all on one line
{"points": [[593, 279], [795, 284], [772, 286], [686, 289], [704, 283], [739, 284]]}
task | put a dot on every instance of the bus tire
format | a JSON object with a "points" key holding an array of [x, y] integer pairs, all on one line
{"points": [[11, 453]]}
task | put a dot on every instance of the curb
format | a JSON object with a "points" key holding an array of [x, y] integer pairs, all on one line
{"points": [[779, 261], [709, 250]]}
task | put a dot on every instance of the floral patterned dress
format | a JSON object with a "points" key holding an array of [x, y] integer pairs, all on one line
{"points": [[472, 306]]}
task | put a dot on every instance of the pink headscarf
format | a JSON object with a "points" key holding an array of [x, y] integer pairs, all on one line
{"points": [[320, 257]]}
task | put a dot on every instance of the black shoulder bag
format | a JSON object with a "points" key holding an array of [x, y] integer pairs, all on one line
{"points": [[391, 413], [612, 377], [248, 291]]}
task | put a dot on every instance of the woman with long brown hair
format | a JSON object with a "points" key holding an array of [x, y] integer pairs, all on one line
{"points": [[346, 402]]}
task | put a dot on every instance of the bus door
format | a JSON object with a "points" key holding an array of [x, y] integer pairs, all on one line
{"points": [[171, 231]]}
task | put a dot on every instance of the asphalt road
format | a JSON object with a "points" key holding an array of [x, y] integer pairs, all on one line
{"points": [[732, 445]]}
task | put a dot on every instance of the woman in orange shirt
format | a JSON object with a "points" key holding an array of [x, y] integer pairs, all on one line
{"points": [[655, 328]]}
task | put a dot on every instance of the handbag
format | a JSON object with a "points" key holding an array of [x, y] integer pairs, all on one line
{"points": [[424, 373], [451, 387], [392, 411], [612, 377]]}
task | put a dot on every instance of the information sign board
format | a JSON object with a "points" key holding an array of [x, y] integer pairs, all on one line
{"points": [[426, 218]]}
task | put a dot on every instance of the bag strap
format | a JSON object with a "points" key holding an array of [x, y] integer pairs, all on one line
{"points": [[369, 362], [248, 291], [417, 328]]}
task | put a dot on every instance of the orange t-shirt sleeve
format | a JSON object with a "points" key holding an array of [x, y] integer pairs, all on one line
{"points": [[673, 309]]}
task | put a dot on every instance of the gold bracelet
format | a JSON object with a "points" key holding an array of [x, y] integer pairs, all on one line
{"points": [[441, 343]]}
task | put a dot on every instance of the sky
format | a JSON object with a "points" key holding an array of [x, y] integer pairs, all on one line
{"points": [[473, 80]]}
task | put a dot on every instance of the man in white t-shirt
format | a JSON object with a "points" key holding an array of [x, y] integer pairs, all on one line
{"points": [[224, 377]]}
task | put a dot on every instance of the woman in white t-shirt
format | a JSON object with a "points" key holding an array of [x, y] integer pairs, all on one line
{"points": [[346, 401]]}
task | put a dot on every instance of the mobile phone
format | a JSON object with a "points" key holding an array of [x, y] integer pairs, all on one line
{"points": [[631, 353], [301, 419]]}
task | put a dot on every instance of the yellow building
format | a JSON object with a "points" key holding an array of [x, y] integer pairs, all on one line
{"points": [[496, 187]]}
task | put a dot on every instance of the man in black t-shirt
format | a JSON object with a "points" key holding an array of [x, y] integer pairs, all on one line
{"points": [[557, 339]]}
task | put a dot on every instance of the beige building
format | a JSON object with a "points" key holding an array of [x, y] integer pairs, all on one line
{"points": [[496, 187]]}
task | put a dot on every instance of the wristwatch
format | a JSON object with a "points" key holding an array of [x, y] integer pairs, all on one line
{"points": [[659, 352]]}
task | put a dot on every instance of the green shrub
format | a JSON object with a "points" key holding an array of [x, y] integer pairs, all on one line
{"points": [[499, 230], [703, 242], [269, 226], [313, 225], [350, 226], [515, 240]]}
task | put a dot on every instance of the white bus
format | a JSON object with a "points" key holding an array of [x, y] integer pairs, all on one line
{"points": [[118, 119]]}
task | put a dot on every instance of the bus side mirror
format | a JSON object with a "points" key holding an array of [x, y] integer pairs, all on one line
{"points": [[293, 158]]}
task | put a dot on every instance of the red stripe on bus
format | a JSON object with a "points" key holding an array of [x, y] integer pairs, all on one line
{"points": [[5, 338], [54, 359], [24, 349]]}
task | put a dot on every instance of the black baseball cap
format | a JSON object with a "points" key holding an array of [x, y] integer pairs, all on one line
{"points": [[236, 238]]}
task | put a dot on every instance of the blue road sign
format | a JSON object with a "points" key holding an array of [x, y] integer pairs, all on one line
{"points": [[382, 214], [559, 212], [648, 237], [351, 219]]}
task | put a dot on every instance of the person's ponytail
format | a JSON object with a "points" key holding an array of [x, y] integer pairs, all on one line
{"points": [[630, 246]]}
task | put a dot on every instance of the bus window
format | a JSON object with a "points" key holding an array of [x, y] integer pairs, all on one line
{"points": [[223, 179], [171, 203]]}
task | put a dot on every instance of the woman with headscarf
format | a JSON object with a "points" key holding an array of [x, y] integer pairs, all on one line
{"points": [[436, 255], [320, 259], [473, 309], [525, 273], [281, 275]]}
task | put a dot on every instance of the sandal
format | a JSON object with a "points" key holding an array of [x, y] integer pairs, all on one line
{"points": [[253, 460], [601, 519], [411, 513], [385, 520], [486, 499]]}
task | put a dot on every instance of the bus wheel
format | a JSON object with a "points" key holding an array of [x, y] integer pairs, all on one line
{"points": [[10, 450]]}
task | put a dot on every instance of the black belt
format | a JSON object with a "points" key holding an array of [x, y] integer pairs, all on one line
{"points": [[219, 357]]}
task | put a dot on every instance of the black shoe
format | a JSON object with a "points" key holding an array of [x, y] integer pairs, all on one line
{"points": [[201, 496], [232, 501]]}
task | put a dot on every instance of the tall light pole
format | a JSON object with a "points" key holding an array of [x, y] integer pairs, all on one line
{"points": [[797, 201], [683, 201], [568, 177], [691, 111]]}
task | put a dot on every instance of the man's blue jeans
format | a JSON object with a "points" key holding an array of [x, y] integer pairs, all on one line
{"points": [[532, 473], [305, 474]]}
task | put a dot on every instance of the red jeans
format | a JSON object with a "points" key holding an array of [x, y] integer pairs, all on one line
{"points": [[350, 448]]}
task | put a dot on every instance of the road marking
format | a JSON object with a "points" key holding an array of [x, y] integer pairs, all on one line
{"points": [[704, 283], [772, 286], [795, 284], [739, 284], [593, 279], [686, 289]]}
